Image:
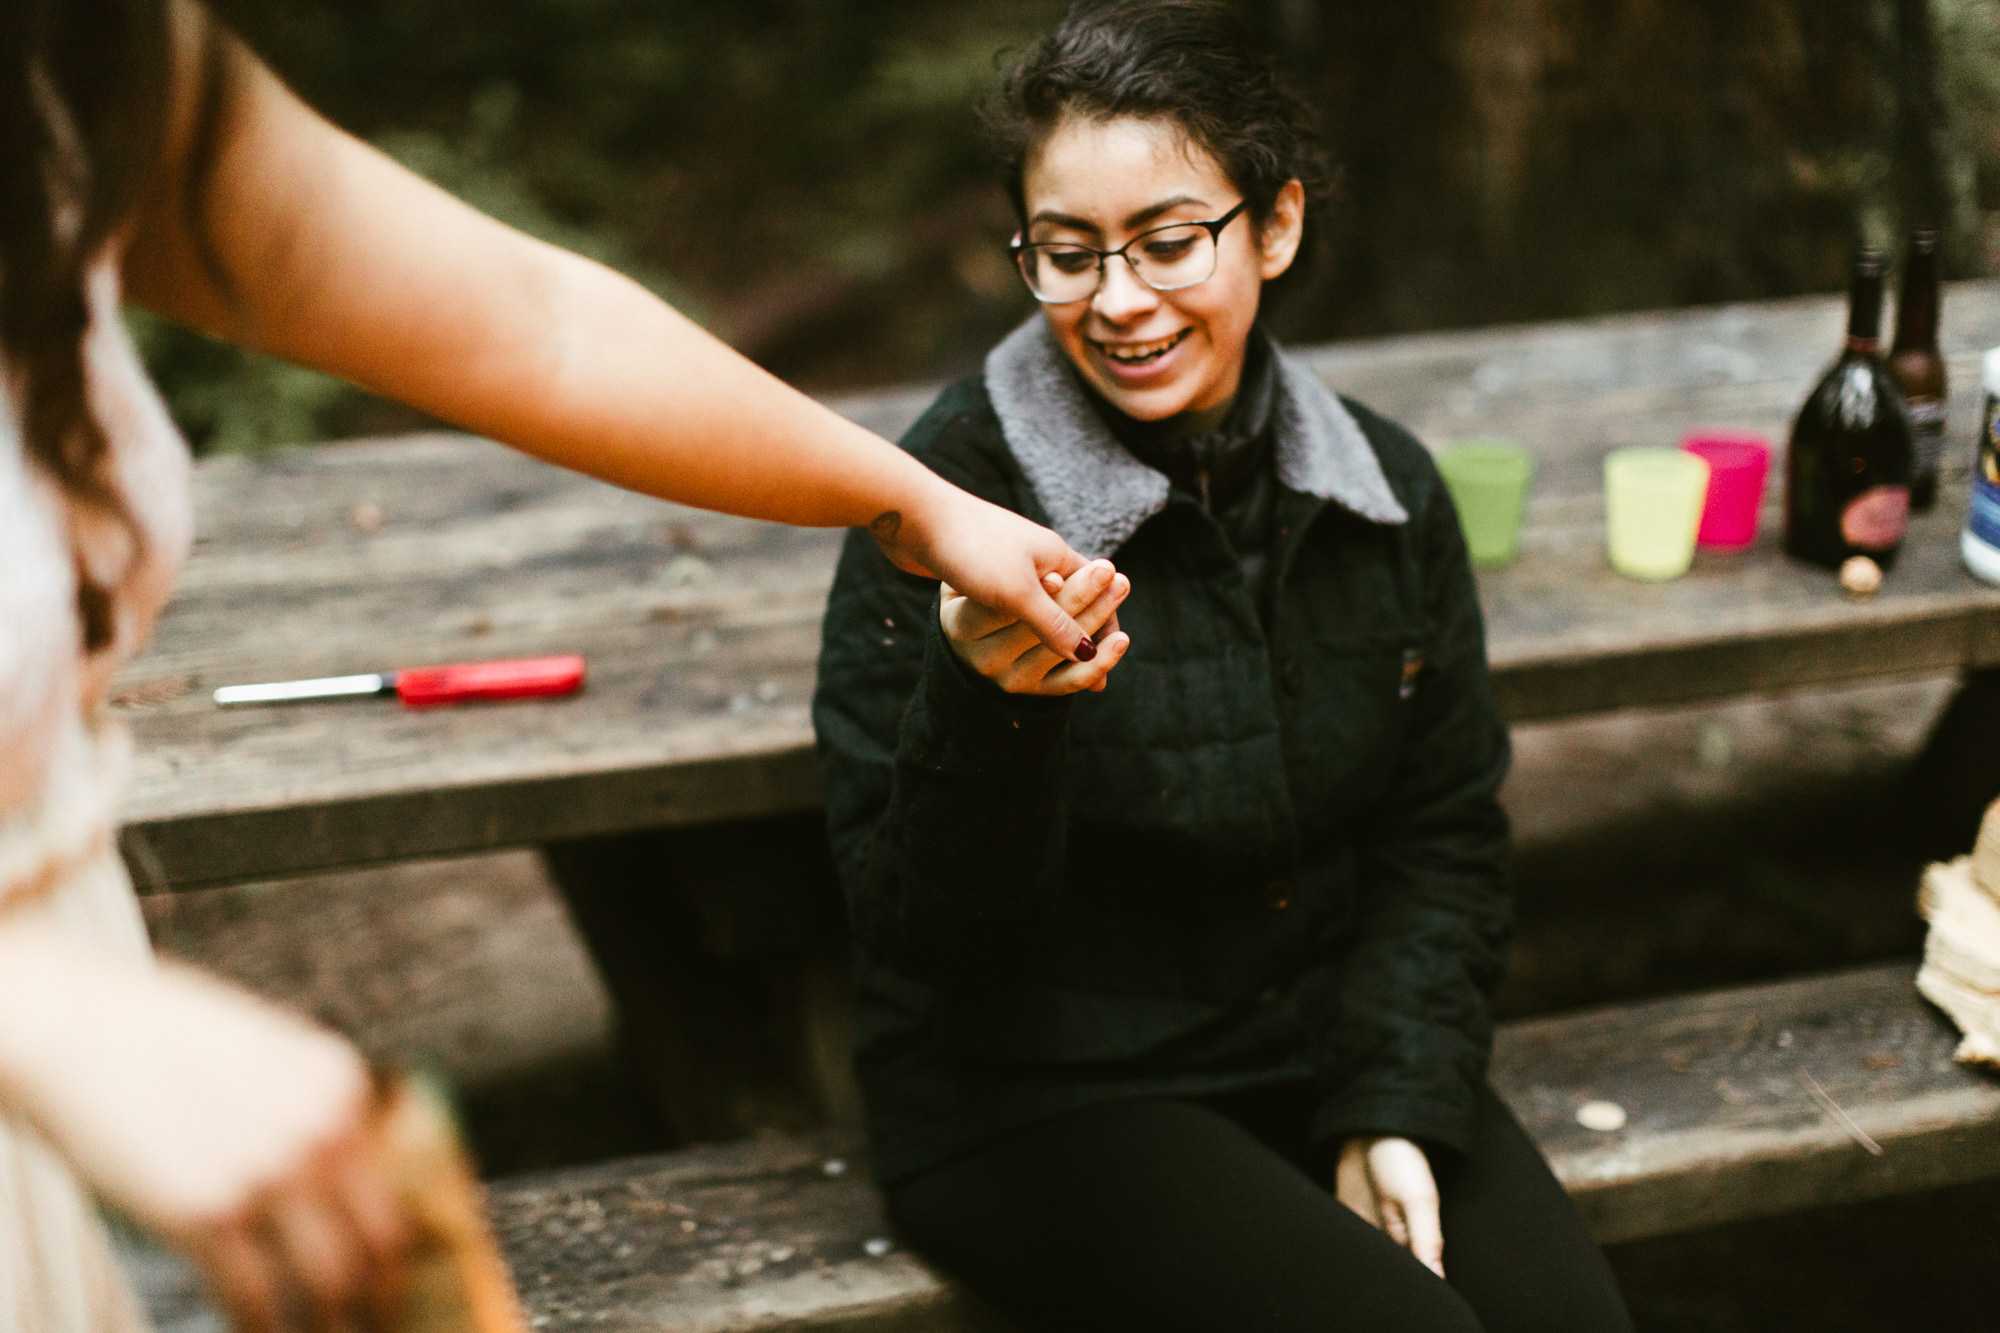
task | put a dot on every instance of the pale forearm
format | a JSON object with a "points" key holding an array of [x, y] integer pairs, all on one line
{"points": [[342, 260], [633, 392], [567, 360]]}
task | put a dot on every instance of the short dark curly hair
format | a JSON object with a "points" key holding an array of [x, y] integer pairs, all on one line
{"points": [[1192, 62]]}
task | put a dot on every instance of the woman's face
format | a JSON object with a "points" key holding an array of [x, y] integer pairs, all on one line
{"points": [[1154, 355]]}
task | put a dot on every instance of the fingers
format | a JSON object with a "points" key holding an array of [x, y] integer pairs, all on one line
{"points": [[1048, 621], [1038, 671], [362, 1187], [1051, 621], [1100, 610], [1007, 651], [966, 621], [242, 1275], [1043, 673], [1062, 563], [323, 1250], [1425, 1233], [1079, 598], [1394, 1223], [994, 555], [1073, 678], [1352, 1185], [1040, 611], [323, 1260], [1407, 1193]]}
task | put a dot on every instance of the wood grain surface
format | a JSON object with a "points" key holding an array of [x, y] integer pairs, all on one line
{"points": [[754, 1235], [1722, 1126], [702, 631], [1730, 1100]]}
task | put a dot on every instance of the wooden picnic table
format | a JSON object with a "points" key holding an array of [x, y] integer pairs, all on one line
{"points": [[702, 631]]}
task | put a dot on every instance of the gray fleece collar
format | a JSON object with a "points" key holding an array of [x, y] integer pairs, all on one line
{"points": [[1097, 493]]}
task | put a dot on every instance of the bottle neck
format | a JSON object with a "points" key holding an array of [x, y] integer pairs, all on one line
{"points": [[1917, 311], [1864, 302], [1864, 346]]}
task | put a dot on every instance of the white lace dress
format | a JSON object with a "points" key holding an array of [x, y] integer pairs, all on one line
{"points": [[62, 762]]}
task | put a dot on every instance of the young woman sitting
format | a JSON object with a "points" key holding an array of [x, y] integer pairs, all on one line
{"points": [[1174, 994]]}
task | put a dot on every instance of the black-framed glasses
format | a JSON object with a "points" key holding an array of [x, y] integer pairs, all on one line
{"points": [[1181, 254]]}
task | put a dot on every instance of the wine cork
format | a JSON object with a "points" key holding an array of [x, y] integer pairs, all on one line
{"points": [[1603, 1117]]}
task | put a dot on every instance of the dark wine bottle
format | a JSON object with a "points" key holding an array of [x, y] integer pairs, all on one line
{"points": [[1847, 478], [1918, 366]]}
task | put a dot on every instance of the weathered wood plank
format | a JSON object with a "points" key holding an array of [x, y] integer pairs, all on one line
{"points": [[702, 631], [751, 1236], [1724, 1124], [1566, 635], [1722, 1127]]}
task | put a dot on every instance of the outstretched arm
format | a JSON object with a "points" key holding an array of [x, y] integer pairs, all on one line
{"points": [[310, 245]]}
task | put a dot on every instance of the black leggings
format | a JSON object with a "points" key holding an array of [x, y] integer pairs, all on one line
{"points": [[1213, 1216]]}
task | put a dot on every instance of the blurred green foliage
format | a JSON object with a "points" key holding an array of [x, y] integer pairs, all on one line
{"points": [[803, 176], [1968, 43]]}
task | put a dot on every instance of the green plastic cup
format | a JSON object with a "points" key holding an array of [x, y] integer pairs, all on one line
{"points": [[1488, 481], [1652, 509]]}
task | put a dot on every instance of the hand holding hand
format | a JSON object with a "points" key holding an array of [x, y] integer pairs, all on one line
{"points": [[1005, 651], [994, 557], [1389, 1183]]}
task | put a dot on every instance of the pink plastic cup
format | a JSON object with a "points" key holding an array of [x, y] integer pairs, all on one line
{"points": [[1738, 463]]}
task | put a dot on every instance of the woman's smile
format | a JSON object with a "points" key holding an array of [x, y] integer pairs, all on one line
{"points": [[1139, 360]]}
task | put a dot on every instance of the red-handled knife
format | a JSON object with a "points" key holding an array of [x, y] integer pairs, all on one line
{"points": [[421, 687]]}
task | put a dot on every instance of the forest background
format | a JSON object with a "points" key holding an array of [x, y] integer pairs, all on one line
{"points": [[804, 176]]}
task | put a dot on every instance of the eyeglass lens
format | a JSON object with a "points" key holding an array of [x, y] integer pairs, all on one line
{"points": [[1165, 260]]}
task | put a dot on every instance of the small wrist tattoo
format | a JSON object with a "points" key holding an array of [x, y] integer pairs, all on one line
{"points": [[886, 525]]}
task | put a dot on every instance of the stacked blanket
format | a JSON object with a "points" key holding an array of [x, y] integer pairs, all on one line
{"points": [[1961, 971]]}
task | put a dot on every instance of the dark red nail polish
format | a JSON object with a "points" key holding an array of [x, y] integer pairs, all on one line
{"points": [[1085, 649]]}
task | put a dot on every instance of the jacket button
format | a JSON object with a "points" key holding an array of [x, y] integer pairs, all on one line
{"points": [[1289, 675], [1278, 894]]}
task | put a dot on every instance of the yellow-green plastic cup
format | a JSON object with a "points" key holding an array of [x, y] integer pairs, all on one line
{"points": [[1652, 510], [1488, 481]]}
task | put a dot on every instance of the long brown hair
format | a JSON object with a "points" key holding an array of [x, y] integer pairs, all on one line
{"points": [[84, 89]]}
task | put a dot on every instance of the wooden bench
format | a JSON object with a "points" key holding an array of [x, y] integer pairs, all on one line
{"points": [[702, 631], [1740, 1104]]}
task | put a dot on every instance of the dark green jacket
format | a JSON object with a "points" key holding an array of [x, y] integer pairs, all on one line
{"points": [[1255, 857]]}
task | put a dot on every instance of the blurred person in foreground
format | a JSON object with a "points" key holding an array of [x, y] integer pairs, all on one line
{"points": [[145, 153], [1174, 997]]}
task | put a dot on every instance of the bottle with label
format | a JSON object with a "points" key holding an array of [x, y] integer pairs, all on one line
{"points": [[1981, 543], [1918, 366], [1847, 477]]}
